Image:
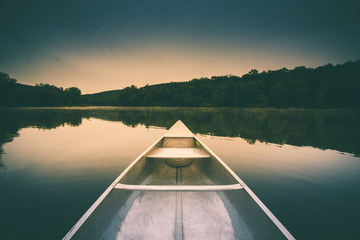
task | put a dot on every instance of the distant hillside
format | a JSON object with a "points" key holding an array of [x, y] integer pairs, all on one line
{"points": [[327, 86], [323, 87]]}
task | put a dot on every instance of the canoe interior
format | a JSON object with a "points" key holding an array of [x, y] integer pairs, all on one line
{"points": [[154, 171], [225, 214]]}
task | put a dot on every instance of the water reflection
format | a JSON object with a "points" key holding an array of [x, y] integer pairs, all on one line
{"points": [[58, 174], [53, 176], [325, 129]]}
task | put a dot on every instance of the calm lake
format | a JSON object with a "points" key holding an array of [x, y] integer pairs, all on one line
{"points": [[303, 164]]}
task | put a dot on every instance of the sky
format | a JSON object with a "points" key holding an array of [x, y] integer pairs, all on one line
{"points": [[100, 45]]}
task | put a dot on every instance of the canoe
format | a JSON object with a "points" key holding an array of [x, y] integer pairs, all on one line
{"points": [[178, 189]]}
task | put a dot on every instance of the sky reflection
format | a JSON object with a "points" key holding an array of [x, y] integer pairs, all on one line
{"points": [[58, 173], [93, 145], [306, 163]]}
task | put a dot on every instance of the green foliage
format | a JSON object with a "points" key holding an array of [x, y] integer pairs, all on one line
{"points": [[13, 94], [5, 78], [323, 87]]}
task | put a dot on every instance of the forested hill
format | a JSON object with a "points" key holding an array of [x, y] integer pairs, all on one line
{"points": [[327, 86], [13, 94]]}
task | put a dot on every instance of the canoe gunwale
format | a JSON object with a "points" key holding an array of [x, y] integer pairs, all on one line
{"points": [[87, 214], [280, 226], [237, 185]]}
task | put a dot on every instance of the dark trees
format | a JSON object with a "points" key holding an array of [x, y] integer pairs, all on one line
{"points": [[13, 94], [323, 87]]}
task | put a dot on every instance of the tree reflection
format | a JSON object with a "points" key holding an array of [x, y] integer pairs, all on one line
{"points": [[325, 129]]}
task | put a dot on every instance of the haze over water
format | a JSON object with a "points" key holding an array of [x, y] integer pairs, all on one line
{"points": [[303, 164]]}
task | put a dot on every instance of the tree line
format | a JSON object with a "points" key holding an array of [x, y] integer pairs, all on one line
{"points": [[328, 86], [13, 94]]}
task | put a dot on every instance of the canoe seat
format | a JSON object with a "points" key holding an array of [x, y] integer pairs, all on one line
{"points": [[178, 142], [191, 153]]}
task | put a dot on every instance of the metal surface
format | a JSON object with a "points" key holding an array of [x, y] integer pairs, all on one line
{"points": [[175, 188], [179, 156], [179, 229], [281, 227], [179, 130], [191, 153], [154, 200], [81, 221]]}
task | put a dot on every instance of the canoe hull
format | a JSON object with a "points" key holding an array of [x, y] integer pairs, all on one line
{"points": [[153, 199]]}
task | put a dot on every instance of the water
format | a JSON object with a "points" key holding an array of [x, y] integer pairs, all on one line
{"points": [[303, 164]]}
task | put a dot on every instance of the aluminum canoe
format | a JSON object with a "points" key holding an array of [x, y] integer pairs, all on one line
{"points": [[178, 189]]}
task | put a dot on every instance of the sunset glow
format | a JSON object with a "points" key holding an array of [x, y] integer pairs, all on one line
{"points": [[99, 47]]}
